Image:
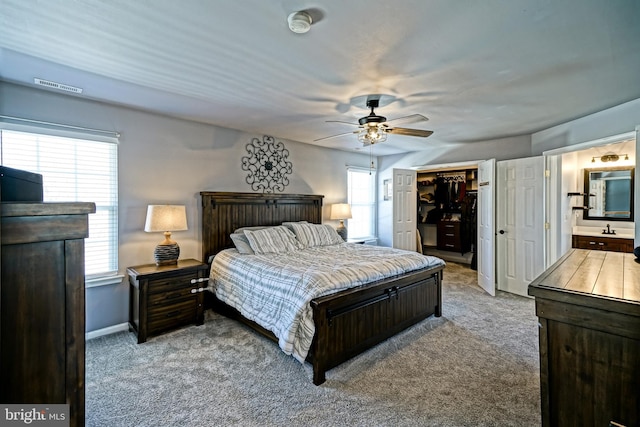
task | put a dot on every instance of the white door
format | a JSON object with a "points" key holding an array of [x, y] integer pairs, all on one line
{"points": [[486, 226], [405, 209], [520, 223]]}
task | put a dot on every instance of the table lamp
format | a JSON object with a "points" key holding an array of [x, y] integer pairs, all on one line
{"points": [[341, 211], [166, 218]]}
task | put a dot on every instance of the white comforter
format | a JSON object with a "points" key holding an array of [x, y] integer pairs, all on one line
{"points": [[274, 290]]}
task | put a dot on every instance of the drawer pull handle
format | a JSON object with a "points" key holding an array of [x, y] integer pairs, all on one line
{"points": [[193, 281], [203, 279], [173, 313], [449, 235], [601, 243], [592, 243], [194, 290], [448, 245], [449, 226]]}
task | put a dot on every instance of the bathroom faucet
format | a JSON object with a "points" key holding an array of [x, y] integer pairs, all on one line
{"points": [[608, 231]]}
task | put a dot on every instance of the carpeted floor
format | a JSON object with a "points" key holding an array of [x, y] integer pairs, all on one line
{"points": [[477, 365]]}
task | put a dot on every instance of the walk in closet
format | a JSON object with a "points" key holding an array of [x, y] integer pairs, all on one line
{"points": [[447, 212]]}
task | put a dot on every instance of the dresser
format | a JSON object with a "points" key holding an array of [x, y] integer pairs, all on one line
{"points": [[166, 297], [588, 305], [452, 236], [42, 304]]}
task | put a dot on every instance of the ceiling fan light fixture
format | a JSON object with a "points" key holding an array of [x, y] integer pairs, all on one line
{"points": [[372, 135], [299, 22]]}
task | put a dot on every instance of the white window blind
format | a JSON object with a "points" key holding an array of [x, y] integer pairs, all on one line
{"points": [[74, 170], [361, 189]]}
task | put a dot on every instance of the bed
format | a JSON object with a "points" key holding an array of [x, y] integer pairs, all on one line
{"points": [[346, 322]]}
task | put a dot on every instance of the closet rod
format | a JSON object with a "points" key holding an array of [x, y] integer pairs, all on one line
{"points": [[40, 122]]}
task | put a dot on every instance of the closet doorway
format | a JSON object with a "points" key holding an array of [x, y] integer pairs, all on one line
{"points": [[447, 213], [475, 207]]}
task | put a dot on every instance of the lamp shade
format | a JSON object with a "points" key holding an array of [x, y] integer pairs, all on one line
{"points": [[166, 218], [340, 211]]}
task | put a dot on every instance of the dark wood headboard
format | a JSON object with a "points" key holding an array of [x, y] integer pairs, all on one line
{"points": [[223, 212]]}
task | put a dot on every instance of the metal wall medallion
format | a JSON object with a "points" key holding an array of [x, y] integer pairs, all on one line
{"points": [[267, 165]]}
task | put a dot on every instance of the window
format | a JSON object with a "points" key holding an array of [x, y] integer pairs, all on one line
{"points": [[74, 170], [361, 187]]}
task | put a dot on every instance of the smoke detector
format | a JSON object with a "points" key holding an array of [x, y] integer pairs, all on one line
{"points": [[299, 22]]}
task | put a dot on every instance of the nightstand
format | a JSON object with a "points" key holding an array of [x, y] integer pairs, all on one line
{"points": [[166, 297]]}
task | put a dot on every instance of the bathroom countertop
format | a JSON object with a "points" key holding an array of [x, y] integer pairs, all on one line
{"points": [[621, 233]]}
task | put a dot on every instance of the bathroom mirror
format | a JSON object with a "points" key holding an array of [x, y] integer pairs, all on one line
{"points": [[609, 193]]}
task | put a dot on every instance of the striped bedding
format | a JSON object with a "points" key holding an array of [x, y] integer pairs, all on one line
{"points": [[274, 290]]}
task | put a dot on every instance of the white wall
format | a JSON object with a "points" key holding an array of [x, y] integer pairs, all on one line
{"points": [[168, 160], [613, 121]]}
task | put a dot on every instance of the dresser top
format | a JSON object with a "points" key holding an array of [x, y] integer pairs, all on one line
{"points": [[8, 209], [141, 271], [610, 275]]}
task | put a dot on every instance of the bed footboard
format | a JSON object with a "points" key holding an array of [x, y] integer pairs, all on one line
{"points": [[352, 321]]}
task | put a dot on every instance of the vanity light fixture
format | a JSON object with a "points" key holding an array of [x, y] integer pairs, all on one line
{"points": [[611, 157]]}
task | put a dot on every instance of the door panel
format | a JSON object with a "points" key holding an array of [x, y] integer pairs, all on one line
{"points": [[405, 209], [486, 226], [520, 220]]}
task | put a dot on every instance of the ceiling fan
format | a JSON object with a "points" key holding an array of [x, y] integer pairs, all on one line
{"points": [[373, 129]]}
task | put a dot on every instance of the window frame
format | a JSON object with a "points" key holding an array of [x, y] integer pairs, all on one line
{"points": [[109, 202], [356, 206]]}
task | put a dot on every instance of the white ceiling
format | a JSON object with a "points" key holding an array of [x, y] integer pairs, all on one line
{"points": [[479, 69]]}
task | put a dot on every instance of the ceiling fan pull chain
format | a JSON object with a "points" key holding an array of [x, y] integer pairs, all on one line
{"points": [[371, 166]]}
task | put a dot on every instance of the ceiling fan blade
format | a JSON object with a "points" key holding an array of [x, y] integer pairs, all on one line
{"points": [[413, 118], [409, 132], [340, 121], [336, 136]]}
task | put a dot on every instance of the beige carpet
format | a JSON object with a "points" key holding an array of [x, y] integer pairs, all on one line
{"points": [[477, 365]]}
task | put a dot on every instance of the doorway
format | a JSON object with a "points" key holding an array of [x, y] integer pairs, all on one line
{"points": [[447, 214], [565, 196]]}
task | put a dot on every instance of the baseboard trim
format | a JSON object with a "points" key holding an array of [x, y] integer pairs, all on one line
{"points": [[107, 331]]}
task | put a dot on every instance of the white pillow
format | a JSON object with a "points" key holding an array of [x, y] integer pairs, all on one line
{"points": [[241, 243], [241, 230], [272, 240], [311, 235]]}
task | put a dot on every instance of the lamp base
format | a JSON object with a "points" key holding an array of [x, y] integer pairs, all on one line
{"points": [[342, 230], [167, 254]]}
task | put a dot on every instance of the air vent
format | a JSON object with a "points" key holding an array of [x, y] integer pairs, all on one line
{"points": [[59, 86]]}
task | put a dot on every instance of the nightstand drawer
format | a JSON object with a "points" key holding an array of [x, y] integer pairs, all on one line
{"points": [[172, 283], [170, 316], [171, 297]]}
